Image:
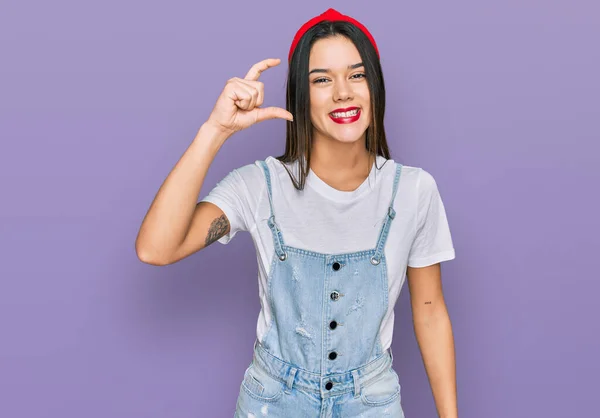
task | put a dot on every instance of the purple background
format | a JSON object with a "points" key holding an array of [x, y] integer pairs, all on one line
{"points": [[98, 102]]}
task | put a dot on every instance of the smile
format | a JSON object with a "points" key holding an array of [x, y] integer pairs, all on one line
{"points": [[345, 117]]}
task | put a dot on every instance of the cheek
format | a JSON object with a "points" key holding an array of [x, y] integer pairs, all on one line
{"points": [[317, 105], [366, 99], [365, 94]]}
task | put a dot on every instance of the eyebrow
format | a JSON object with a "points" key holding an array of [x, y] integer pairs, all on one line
{"points": [[324, 70]]}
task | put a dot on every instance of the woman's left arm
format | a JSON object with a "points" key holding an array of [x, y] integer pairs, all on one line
{"points": [[433, 331]]}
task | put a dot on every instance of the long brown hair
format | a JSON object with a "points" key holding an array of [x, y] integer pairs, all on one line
{"points": [[298, 142]]}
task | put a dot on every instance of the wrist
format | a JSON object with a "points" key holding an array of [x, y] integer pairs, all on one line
{"points": [[212, 135]]}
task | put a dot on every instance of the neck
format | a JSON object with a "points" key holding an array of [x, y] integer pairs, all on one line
{"points": [[344, 166]]}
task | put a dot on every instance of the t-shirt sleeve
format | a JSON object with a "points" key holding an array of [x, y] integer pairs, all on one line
{"points": [[232, 195], [432, 243]]}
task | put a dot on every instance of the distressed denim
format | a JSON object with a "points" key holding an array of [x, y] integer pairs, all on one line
{"points": [[322, 356]]}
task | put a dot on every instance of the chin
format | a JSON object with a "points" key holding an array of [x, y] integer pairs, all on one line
{"points": [[348, 139], [348, 135]]}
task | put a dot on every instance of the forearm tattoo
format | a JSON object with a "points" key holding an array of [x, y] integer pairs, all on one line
{"points": [[217, 229]]}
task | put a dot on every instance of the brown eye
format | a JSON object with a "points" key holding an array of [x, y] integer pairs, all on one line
{"points": [[323, 80]]}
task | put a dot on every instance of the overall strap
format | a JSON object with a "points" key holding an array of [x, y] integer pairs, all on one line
{"points": [[391, 213], [277, 236]]}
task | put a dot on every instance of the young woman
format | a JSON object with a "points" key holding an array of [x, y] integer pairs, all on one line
{"points": [[337, 226]]}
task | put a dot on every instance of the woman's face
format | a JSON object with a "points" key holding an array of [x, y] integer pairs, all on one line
{"points": [[338, 83]]}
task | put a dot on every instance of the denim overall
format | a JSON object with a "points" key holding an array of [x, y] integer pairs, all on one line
{"points": [[322, 356]]}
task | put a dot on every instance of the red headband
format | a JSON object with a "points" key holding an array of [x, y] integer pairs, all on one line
{"points": [[333, 15]]}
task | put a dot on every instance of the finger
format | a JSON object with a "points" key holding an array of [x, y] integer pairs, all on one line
{"points": [[242, 97], [272, 113], [259, 67], [260, 88]]}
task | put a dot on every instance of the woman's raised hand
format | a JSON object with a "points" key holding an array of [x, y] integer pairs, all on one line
{"points": [[238, 106]]}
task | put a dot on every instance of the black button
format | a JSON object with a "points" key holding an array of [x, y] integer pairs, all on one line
{"points": [[336, 266], [332, 324], [332, 355], [329, 385], [335, 295]]}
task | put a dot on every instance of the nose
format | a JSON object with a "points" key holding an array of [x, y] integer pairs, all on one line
{"points": [[342, 91]]}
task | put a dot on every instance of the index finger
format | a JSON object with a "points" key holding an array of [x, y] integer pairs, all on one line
{"points": [[259, 67]]}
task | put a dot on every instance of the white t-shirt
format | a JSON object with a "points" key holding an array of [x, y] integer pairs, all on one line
{"points": [[326, 220]]}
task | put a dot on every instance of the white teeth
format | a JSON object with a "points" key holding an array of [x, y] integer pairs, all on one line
{"points": [[345, 114]]}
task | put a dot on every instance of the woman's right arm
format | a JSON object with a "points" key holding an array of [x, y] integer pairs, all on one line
{"points": [[175, 225]]}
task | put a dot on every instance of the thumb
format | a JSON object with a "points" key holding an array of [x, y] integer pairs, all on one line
{"points": [[273, 113]]}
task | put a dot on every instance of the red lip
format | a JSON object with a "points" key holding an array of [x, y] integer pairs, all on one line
{"points": [[344, 110], [350, 119]]}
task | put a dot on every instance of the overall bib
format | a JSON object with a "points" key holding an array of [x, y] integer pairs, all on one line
{"points": [[322, 356]]}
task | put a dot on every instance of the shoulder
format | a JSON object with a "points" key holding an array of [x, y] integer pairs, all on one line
{"points": [[417, 177], [250, 174], [255, 169], [426, 184], [409, 175], [426, 189], [415, 184]]}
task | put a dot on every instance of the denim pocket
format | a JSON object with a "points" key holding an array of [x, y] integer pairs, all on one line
{"points": [[382, 390], [259, 385]]}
